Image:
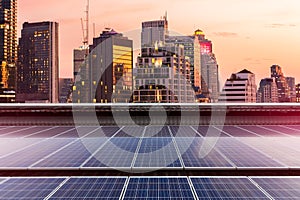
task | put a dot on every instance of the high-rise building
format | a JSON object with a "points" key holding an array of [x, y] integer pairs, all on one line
{"points": [[239, 88], [162, 75], [79, 56], [298, 93], [154, 31], [210, 85], [292, 88], [267, 92], [8, 43], [106, 74], [192, 50], [38, 66], [65, 89], [282, 86]]}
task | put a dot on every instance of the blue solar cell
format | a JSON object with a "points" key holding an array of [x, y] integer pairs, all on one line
{"points": [[105, 131], [183, 131], [236, 131], [157, 152], [191, 154], [226, 188], [32, 154], [73, 155], [280, 187], [28, 188], [91, 188], [78, 132], [158, 188], [210, 131], [157, 131], [244, 156], [118, 152], [131, 131]]}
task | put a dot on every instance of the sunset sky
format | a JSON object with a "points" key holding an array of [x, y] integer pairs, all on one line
{"points": [[245, 34]]}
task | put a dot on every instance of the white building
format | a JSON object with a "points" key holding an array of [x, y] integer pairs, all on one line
{"points": [[240, 88]]}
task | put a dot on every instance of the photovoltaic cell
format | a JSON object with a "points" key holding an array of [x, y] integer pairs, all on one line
{"points": [[261, 131], [77, 132], [157, 131], [244, 156], [210, 131], [131, 131], [158, 188], [236, 132], [11, 129], [183, 131], [105, 131], [28, 188], [280, 187], [118, 152], [157, 152], [91, 188], [52, 132], [284, 130], [9, 145], [226, 188], [26, 132], [191, 155], [73, 155], [30, 155]]}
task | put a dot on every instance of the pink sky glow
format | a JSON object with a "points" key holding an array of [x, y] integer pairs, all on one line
{"points": [[245, 34]]}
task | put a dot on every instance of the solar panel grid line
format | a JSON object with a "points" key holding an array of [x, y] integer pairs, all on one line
{"points": [[54, 152], [62, 133], [23, 148], [57, 188], [283, 134], [192, 188], [2, 180], [289, 127], [124, 189], [221, 131], [5, 127], [93, 155], [258, 150], [23, 129], [196, 131], [91, 132], [226, 158], [225, 187], [138, 148], [39, 132], [176, 148], [240, 127], [159, 187], [260, 188]]}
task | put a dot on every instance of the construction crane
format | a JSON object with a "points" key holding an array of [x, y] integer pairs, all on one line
{"points": [[85, 28]]}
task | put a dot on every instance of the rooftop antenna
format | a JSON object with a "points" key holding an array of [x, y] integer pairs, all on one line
{"points": [[85, 27]]}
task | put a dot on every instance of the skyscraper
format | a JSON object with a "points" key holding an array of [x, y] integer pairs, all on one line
{"points": [[162, 75], [154, 31], [239, 88], [298, 93], [106, 74], [292, 88], [192, 50], [8, 42], [209, 68], [282, 86], [267, 92], [38, 70]]}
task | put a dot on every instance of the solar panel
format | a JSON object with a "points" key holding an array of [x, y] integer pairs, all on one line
{"points": [[27, 132], [244, 156], [12, 129], [52, 132], [157, 131], [236, 131], [184, 131], [131, 131], [190, 150], [261, 131], [118, 152], [157, 152], [30, 155], [9, 145], [226, 188], [77, 132], [158, 188], [28, 188], [274, 147], [280, 187], [91, 188], [210, 131], [284, 130], [73, 155], [104, 131]]}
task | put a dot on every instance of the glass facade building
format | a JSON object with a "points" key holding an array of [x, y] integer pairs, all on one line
{"points": [[38, 70]]}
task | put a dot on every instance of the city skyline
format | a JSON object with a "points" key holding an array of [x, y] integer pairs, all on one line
{"points": [[255, 35]]}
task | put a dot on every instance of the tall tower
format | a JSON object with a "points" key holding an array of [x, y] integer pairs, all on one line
{"points": [[154, 32], [38, 70], [8, 42], [282, 86]]}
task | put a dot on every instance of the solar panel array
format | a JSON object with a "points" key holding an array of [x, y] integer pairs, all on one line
{"points": [[180, 187], [139, 147]]}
